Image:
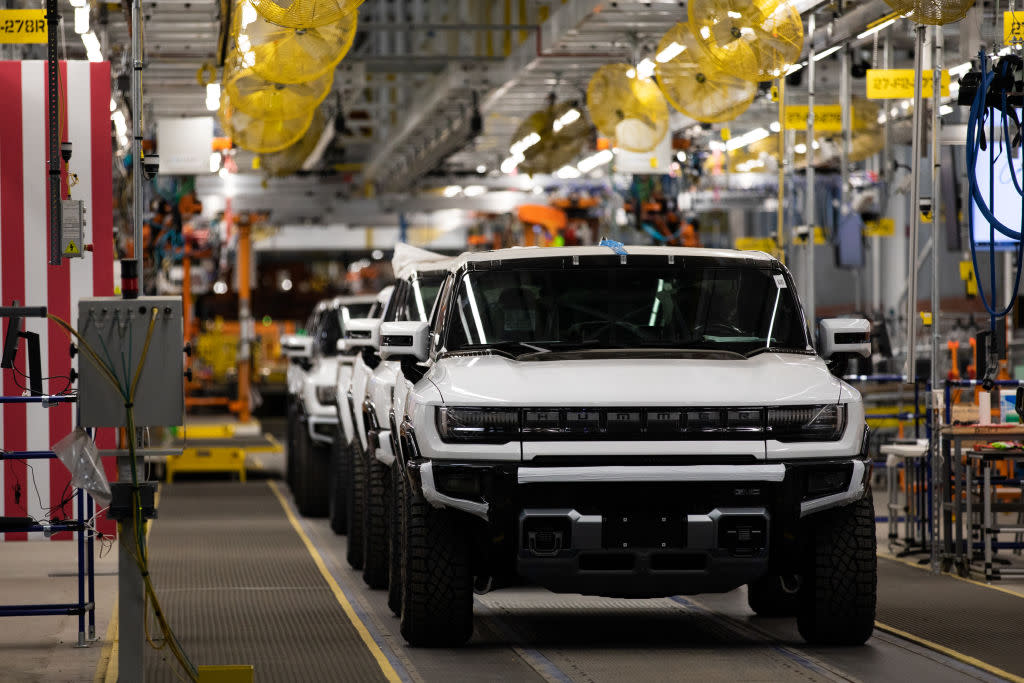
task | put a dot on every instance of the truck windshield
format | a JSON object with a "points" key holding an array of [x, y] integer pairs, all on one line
{"points": [[698, 307]]}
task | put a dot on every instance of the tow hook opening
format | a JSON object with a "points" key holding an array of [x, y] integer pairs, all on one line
{"points": [[546, 536]]}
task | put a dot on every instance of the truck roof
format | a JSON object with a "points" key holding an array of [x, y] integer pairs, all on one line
{"points": [[632, 250]]}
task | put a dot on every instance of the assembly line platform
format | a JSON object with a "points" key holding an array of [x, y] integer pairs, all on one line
{"points": [[245, 580]]}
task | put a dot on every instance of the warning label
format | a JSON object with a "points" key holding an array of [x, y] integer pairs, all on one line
{"points": [[72, 248]]}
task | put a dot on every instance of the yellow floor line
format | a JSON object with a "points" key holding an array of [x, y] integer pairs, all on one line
{"points": [[927, 568], [378, 654], [106, 668], [959, 656]]}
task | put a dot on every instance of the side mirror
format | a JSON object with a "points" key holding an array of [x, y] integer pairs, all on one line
{"points": [[360, 333], [295, 346], [405, 340], [845, 336]]}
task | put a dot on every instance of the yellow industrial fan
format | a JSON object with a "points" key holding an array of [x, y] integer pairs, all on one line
{"points": [[932, 12], [290, 160], [291, 55], [251, 93], [561, 132], [628, 108], [304, 13], [694, 85], [750, 39], [261, 135]]}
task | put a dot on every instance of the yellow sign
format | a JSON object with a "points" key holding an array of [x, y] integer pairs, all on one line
{"points": [[883, 227], [22, 26], [726, 134], [819, 237], [71, 249], [828, 118], [1013, 28], [888, 84], [926, 318], [765, 244]]}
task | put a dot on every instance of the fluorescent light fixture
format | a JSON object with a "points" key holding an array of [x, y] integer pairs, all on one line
{"points": [[214, 162], [682, 157], [509, 164], [594, 160], [960, 69], [774, 127], [113, 105], [120, 124], [793, 68], [747, 138], [876, 29], [452, 191], [212, 96], [717, 146], [945, 109], [734, 15], [223, 173], [645, 69], [78, 3], [673, 50], [705, 32], [565, 119], [481, 169], [520, 146], [474, 190], [81, 20], [631, 73], [248, 13], [894, 112], [905, 105], [568, 172], [821, 55], [882, 118], [816, 145], [93, 50], [800, 148]]}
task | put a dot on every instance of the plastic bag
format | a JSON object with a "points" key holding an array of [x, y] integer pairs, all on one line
{"points": [[78, 452]]}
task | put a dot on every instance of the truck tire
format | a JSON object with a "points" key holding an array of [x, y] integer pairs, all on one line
{"points": [[375, 524], [341, 468], [437, 579], [312, 464], [837, 599], [395, 541], [290, 446], [354, 500], [768, 598]]}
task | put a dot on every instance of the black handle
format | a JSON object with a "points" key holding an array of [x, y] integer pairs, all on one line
{"points": [[22, 311]]}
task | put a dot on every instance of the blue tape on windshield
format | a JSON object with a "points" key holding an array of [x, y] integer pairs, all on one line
{"points": [[617, 247]]}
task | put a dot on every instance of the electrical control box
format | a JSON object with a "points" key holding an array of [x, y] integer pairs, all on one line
{"points": [[72, 231], [116, 329]]}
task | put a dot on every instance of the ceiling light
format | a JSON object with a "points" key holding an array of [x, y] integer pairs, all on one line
{"points": [[673, 50], [593, 161], [481, 169], [793, 68], [509, 164], [113, 105], [81, 20], [565, 119], [78, 3], [120, 125], [747, 138], [945, 109], [286, 284], [474, 190], [214, 162], [568, 172], [631, 73], [682, 157], [537, 189], [705, 32], [882, 118], [774, 127], [645, 69], [519, 146], [734, 15], [960, 69], [821, 55], [905, 105], [452, 191], [248, 13], [220, 287], [800, 148], [212, 96], [876, 29]]}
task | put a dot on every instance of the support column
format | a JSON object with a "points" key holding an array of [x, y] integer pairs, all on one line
{"points": [[809, 192], [245, 322], [915, 208]]}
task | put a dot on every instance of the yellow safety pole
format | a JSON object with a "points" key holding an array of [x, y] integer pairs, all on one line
{"points": [[780, 230], [244, 319]]}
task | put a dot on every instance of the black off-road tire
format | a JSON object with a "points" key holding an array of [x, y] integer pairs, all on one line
{"points": [[437, 578], [341, 471], [837, 599], [312, 465], [355, 500], [291, 444], [375, 524], [395, 541], [768, 598]]}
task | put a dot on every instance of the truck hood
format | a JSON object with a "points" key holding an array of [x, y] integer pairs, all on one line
{"points": [[764, 379]]}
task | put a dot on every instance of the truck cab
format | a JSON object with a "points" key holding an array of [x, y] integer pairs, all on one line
{"points": [[642, 423]]}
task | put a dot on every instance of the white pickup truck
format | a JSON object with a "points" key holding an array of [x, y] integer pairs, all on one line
{"points": [[634, 422], [312, 413]]}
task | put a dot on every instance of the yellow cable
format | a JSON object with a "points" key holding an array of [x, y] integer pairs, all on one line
{"points": [[145, 350]]}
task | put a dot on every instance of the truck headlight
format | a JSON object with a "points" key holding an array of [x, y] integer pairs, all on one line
{"points": [[327, 394], [478, 425], [807, 423]]}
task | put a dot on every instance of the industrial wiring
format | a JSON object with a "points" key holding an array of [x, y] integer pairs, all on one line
{"points": [[140, 551]]}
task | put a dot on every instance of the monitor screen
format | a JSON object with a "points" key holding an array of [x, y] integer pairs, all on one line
{"points": [[1005, 201]]}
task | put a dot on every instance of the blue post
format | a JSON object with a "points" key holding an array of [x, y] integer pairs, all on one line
{"points": [[90, 560], [81, 568]]}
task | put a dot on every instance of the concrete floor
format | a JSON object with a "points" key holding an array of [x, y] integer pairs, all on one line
{"points": [[43, 649]]}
